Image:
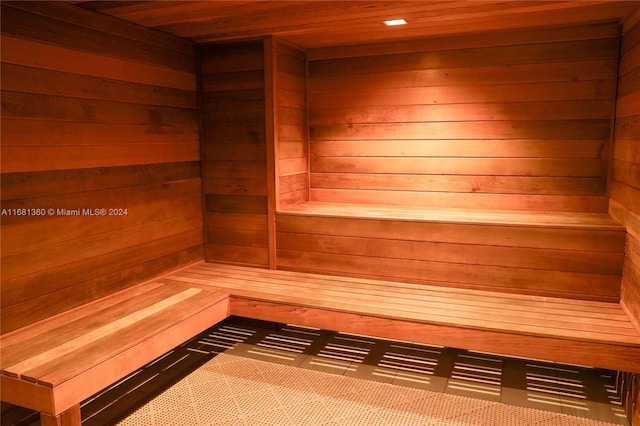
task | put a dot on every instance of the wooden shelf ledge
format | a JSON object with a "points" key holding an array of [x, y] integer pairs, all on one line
{"points": [[574, 220]]}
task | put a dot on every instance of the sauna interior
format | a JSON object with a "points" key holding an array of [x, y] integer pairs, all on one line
{"points": [[484, 145]]}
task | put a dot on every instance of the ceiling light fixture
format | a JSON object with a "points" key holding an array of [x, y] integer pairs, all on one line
{"points": [[395, 22]]}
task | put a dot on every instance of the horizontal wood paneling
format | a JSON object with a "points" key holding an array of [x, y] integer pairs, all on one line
{"points": [[535, 109], [569, 262], [234, 152], [96, 114], [625, 179], [292, 142]]}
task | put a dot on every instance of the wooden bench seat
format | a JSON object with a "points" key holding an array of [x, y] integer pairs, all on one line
{"points": [[591, 333], [557, 254], [54, 364], [546, 219]]}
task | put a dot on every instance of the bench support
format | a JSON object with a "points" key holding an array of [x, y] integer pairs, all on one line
{"points": [[71, 417]]}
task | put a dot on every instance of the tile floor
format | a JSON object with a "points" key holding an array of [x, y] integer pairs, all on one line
{"points": [[244, 372]]}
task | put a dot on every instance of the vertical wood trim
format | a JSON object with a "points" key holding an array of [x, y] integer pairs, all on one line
{"points": [[203, 193], [307, 110], [271, 138], [629, 313], [71, 417], [612, 132], [635, 395]]}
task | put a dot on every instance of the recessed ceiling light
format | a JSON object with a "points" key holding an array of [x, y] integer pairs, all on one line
{"points": [[394, 22]]}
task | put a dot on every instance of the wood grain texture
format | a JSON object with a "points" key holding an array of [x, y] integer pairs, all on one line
{"points": [[234, 152], [625, 179], [318, 24], [96, 114], [71, 356], [598, 333], [71, 417], [470, 113], [553, 254], [292, 153]]}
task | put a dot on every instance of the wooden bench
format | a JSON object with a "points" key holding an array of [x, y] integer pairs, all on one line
{"points": [[51, 366], [590, 333], [559, 254]]}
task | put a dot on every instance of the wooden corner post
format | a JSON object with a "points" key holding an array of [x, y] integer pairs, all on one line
{"points": [[271, 131]]}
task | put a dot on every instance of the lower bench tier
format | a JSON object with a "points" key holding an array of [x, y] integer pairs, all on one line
{"points": [[590, 333], [54, 364]]}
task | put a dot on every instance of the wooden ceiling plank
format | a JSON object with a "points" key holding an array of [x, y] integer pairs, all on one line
{"points": [[317, 24]]}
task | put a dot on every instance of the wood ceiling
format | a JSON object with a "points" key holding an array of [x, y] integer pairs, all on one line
{"points": [[315, 24]]}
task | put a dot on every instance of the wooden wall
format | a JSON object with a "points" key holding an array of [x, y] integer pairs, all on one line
{"points": [[517, 120], [292, 139], [625, 179], [234, 155], [514, 121], [96, 114], [254, 144]]}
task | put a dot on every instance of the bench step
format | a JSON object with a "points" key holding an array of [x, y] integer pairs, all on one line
{"points": [[546, 219], [87, 348], [568, 322], [556, 254]]}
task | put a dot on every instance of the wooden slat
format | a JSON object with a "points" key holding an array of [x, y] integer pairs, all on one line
{"points": [[515, 36], [38, 132], [63, 182], [235, 169], [597, 221], [316, 24], [577, 149], [65, 368], [538, 235], [334, 111], [109, 328], [52, 351], [512, 257], [509, 105], [551, 129], [457, 200], [517, 280], [73, 15], [82, 37], [461, 183], [61, 328], [564, 319], [479, 76], [292, 152], [517, 251], [23, 52], [49, 107], [27, 79], [80, 282], [491, 54], [625, 184], [97, 114], [612, 357], [57, 249], [336, 286], [79, 356]]}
